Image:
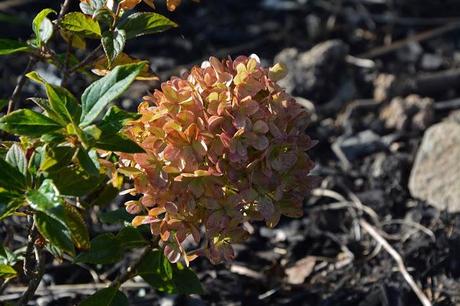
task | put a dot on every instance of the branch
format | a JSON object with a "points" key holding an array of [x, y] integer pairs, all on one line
{"points": [[86, 60], [29, 263], [64, 9], [131, 271], [21, 81], [37, 274]]}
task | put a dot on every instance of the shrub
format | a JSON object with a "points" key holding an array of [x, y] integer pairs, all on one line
{"points": [[222, 146]]}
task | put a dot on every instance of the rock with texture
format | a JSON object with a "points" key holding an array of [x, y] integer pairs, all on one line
{"points": [[435, 176], [314, 74]]}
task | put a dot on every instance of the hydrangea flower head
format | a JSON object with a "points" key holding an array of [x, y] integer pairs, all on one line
{"points": [[224, 145]]}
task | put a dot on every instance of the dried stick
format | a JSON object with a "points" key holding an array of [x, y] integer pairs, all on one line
{"points": [[399, 261], [379, 51]]}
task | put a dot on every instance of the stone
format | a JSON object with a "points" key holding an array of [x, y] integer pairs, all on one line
{"points": [[435, 176], [314, 74], [384, 87], [410, 113]]}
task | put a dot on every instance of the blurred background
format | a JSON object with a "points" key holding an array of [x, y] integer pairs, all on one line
{"points": [[381, 80]]}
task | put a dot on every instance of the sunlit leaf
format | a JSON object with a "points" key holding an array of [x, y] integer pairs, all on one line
{"points": [[16, 157], [26, 122], [99, 94], [139, 24], [42, 26], [81, 24], [7, 271], [102, 67], [113, 43]]}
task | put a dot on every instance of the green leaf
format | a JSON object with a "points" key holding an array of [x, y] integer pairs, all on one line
{"points": [[73, 182], [159, 273], [8, 208], [56, 157], [63, 103], [116, 118], [7, 257], [118, 143], [113, 44], [81, 24], [186, 281], [48, 201], [104, 249], [130, 237], [10, 177], [25, 122], [88, 161], [44, 104], [90, 7], [139, 24], [77, 226], [105, 196], [16, 158], [105, 17], [36, 77], [92, 133], [42, 26], [9, 46], [116, 216], [55, 232], [107, 297], [7, 271], [156, 270], [99, 94]]}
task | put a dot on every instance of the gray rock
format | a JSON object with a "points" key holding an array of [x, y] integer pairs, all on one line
{"points": [[314, 74], [435, 176]]}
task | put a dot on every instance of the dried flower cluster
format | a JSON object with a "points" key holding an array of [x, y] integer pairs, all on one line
{"points": [[225, 145]]}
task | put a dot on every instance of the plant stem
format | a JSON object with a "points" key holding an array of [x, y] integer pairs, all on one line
{"points": [[13, 101], [86, 60], [131, 271], [64, 8], [37, 275], [29, 263]]}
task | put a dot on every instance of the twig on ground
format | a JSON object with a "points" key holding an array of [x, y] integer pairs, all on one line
{"points": [[399, 261], [379, 51]]}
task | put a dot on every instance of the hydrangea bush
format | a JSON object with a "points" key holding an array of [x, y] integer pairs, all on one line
{"points": [[207, 154], [224, 145]]}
